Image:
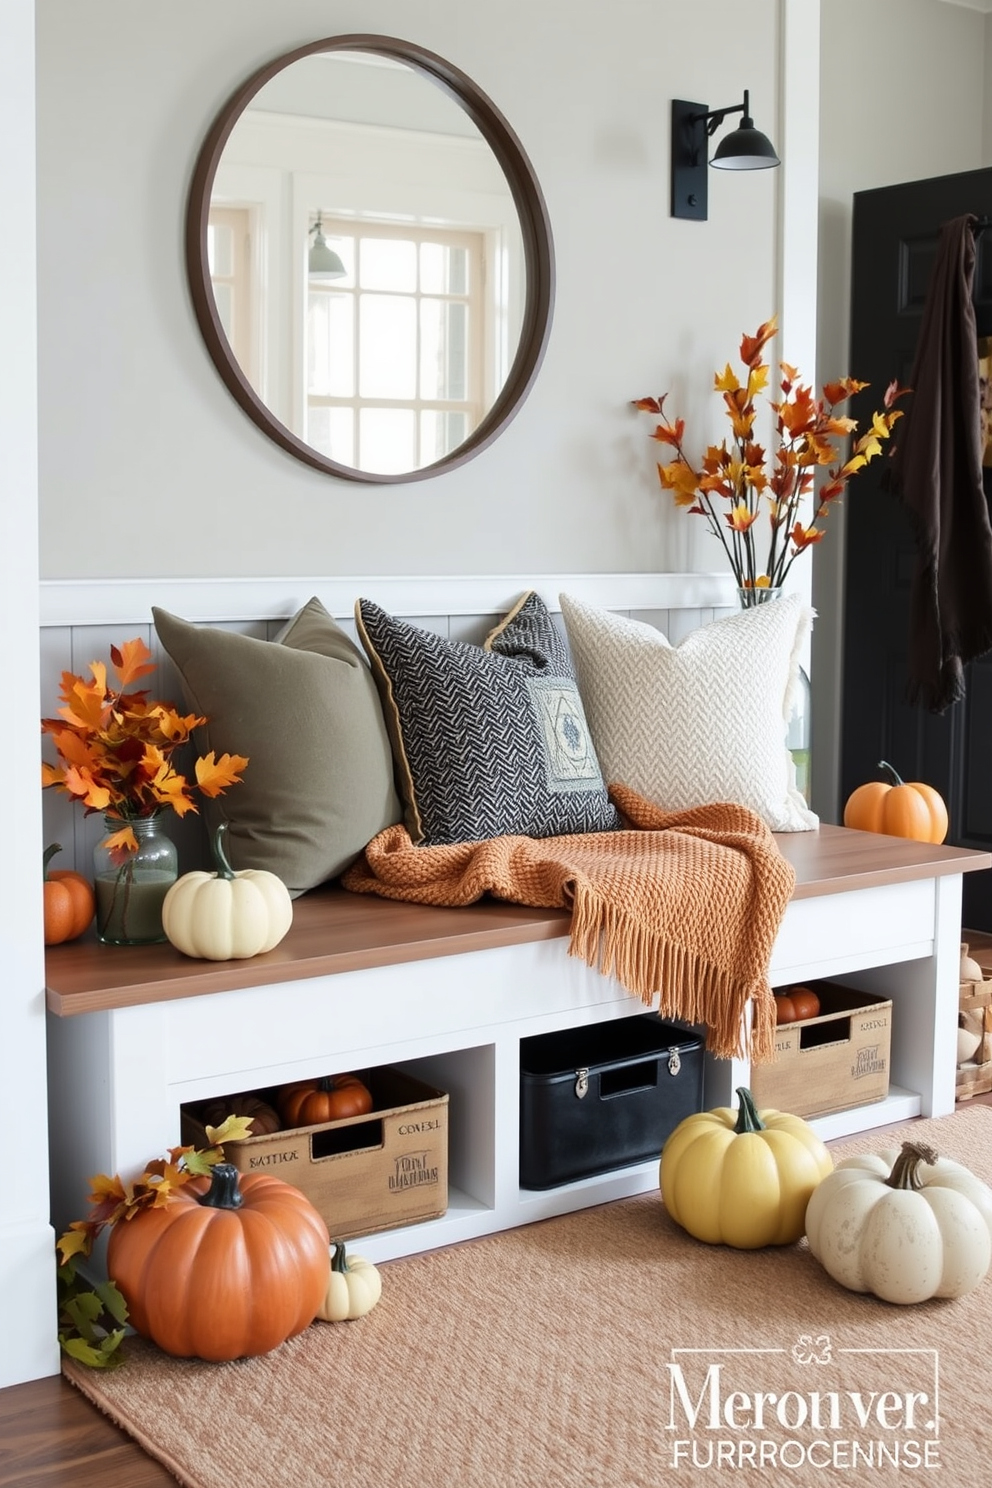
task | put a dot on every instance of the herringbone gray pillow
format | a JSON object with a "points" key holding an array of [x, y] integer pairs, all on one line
{"points": [[700, 722], [488, 740]]}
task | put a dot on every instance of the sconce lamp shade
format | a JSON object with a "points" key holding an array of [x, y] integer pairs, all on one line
{"points": [[322, 261], [745, 148]]}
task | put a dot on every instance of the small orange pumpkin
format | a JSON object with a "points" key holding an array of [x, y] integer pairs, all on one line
{"points": [[796, 1004], [264, 1117], [897, 808], [310, 1102], [229, 1268], [805, 1001], [70, 902]]}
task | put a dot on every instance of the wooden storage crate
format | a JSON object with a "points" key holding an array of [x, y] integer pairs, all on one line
{"points": [[364, 1173], [832, 1062], [974, 1076]]}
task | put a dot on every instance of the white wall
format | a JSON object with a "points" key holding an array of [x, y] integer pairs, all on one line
{"points": [[143, 445], [903, 88], [27, 1255]]}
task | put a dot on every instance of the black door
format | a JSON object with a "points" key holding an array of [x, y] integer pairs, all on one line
{"points": [[895, 235]]}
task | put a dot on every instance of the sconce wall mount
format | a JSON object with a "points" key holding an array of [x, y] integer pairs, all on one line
{"points": [[745, 148]]}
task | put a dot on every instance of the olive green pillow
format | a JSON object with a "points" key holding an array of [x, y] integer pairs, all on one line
{"points": [[305, 711]]}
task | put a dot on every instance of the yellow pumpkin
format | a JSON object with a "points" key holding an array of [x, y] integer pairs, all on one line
{"points": [[742, 1177], [897, 808], [226, 916], [353, 1289]]}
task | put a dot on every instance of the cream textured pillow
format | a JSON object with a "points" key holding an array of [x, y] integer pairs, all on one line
{"points": [[700, 722]]}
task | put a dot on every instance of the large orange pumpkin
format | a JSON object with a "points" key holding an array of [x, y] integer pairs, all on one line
{"points": [[70, 902], [331, 1098], [223, 1270], [898, 808]]}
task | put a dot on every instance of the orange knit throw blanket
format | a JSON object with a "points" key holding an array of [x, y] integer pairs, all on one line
{"points": [[682, 907]]}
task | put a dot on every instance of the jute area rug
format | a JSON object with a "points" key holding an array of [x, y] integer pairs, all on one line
{"points": [[602, 1348]]}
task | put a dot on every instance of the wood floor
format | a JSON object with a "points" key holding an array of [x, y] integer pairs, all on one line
{"points": [[52, 1437]]}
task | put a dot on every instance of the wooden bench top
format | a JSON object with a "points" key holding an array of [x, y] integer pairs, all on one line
{"points": [[334, 931]]}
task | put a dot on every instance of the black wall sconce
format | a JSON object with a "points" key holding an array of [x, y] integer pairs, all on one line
{"points": [[745, 148]]}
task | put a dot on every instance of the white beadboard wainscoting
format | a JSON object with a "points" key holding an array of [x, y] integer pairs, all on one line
{"points": [[81, 620]]}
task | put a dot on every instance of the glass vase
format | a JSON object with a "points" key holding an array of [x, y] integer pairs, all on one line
{"points": [[130, 889], [800, 720]]}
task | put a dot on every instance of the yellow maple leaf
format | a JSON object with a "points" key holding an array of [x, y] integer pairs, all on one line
{"points": [[741, 517], [174, 727], [726, 381], [868, 446], [76, 1241], [681, 480], [121, 845], [232, 1129], [213, 776], [758, 380], [881, 424]]}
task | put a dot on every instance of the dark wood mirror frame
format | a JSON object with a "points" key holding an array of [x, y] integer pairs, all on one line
{"points": [[535, 227]]}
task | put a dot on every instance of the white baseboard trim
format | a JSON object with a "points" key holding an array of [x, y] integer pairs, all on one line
{"points": [[27, 1268], [128, 601]]}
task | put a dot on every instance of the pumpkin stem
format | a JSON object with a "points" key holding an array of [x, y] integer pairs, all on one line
{"points": [[748, 1119], [895, 777], [906, 1168], [224, 869], [50, 852], [223, 1192], [339, 1260]]}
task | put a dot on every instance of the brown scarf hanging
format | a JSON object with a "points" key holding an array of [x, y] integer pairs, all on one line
{"points": [[937, 470]]}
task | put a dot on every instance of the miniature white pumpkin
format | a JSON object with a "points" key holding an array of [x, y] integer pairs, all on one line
{"points": [[353, 1289], [226, 916], [905, 1225], [968, 1043], [971, 971]]}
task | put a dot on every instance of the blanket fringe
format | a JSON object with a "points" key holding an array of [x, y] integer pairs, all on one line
{"points": [[651, 965]]}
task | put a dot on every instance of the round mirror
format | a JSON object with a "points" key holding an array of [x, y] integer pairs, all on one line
{"points": [[370, 259]]}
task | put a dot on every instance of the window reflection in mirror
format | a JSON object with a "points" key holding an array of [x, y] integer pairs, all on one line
{"points": [[392, 366]]}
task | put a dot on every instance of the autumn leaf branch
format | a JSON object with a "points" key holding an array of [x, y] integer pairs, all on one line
{"points": [[808, 430]]}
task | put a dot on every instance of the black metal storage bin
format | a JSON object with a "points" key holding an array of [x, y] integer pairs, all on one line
{"points": [[604, 1096]]}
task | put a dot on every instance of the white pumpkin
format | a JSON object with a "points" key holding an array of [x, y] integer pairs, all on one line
{"points": [[354, 1288], [226, 916], [905, 1225], [968, 1043]]}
